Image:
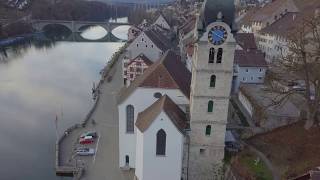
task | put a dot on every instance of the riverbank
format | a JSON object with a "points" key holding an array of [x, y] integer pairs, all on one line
{"points": [[102, 115], [73, 10]]}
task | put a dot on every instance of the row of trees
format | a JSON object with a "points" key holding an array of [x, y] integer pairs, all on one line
{"points": [[77, 10], [301, 63], [15, 29]]}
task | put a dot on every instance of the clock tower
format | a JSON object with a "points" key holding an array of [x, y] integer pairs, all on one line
{"points": [[210, 90]]}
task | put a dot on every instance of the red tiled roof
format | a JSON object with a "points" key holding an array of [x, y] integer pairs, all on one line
{"points": [[246, 40], [283, 25], [251, 58], [269, 11], [167, 73], [175, 114]]}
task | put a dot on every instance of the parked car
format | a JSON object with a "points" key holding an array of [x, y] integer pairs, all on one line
{"points": [[86, 140], [85, 151], [89, 133], [298, 88]]}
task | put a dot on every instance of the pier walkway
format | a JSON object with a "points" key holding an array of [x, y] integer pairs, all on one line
{"points": [[104, 119]]}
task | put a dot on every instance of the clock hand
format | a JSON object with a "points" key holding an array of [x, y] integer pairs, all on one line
{"points": [[217, 35]]}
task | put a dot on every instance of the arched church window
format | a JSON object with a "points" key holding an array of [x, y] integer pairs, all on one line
{"points": [[161, 142], [219, 55], [208, 130], [210, 106], [127, 160], [211, 55], [213, 81], [130, 118]]}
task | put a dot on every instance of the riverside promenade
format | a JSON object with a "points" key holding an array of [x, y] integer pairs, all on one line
{"points": [[103, 119]]}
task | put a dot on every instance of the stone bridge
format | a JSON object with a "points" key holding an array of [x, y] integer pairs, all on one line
{"points": [[77, 26]]}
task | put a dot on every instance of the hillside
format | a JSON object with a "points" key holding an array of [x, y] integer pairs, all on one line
{"points": [[292, 149]]}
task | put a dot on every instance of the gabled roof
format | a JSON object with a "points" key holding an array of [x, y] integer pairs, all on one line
{"points": [[262, 14], [188, 26], [143, 57], [175, 114], [161, 15], [246, 40], [290, 21], [159, 39], [250, 58], [167, 73], [283, 25]]}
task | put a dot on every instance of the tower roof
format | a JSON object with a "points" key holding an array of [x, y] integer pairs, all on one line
{"points": [[211, 8]]}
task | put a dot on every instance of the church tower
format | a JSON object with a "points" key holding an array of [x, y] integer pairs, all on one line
{"points": [[210, 89]]}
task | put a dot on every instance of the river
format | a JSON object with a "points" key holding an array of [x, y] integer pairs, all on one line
{"points": [[38, 84]]}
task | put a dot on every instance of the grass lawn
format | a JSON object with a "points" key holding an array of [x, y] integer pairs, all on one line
{"points": [[254, 165]]}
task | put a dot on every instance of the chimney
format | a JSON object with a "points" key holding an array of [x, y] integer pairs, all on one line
{"points": [[294, 17]]}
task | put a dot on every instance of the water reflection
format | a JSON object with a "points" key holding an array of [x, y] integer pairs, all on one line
{"points": [[37, 84], [94, 33], [56, 31]]}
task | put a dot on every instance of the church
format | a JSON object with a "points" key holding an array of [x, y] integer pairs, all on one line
{"points": [[172, 123]]}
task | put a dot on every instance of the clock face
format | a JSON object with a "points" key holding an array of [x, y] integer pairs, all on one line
{"points": [[217, 35]]}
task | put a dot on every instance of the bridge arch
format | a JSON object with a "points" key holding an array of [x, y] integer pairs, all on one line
{"points": [[93, 32], [121, 32], [56, 31]]}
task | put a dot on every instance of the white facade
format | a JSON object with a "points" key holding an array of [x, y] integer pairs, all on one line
{"points": [[143, 45], [161, 21], [141, 99], [272, 45], [253, 75], [150, 166], [246, 103]]}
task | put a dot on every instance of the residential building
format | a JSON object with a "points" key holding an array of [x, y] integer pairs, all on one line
{"points": [[153, 44], [273, 23], [261, 17], [258, 104], [134, 67], [250, 67]]}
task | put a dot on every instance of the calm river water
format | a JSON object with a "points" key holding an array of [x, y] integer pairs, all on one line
{"points": [[38, 84]]}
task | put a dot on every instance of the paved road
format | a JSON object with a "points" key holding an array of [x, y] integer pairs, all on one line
{"points": [[105, 165]]}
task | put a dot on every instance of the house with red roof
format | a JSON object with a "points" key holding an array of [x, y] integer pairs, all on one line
{"points": [[250, 66]]}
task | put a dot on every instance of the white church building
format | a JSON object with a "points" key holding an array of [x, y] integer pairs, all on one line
{"points": [[167, 78]]}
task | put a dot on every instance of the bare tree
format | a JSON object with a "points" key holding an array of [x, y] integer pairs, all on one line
{"points": [[301, 62]]}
